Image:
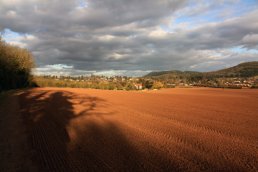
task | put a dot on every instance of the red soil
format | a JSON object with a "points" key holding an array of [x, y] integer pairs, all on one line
{"points": [[199, 129]]}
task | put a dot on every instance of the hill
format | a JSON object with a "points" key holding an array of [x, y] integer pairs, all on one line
{"points": [[242, 75], [247, 69]]}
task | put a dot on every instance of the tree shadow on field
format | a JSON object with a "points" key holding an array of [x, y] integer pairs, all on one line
{"points": [[63, 139]]}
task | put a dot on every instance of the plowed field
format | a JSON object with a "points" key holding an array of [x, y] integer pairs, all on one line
{"points": [[198, 129]]}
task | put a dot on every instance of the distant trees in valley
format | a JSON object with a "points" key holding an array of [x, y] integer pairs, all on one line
{"points": [[98, 82]]}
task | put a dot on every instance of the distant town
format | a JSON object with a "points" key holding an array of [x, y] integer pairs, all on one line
{"points": [[141, 83]]}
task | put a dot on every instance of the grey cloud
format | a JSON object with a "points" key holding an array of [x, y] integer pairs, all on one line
{"points": [[250, 41], [115, 35]]}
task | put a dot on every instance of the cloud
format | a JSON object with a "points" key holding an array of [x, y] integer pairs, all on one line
{"points": [[120, 36], [66, 70], [250, 41]]}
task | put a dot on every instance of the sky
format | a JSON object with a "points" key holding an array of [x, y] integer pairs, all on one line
{"points": [[122, 37]]}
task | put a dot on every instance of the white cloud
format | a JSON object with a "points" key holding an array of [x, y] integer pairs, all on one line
{"points": [[158, 33]]}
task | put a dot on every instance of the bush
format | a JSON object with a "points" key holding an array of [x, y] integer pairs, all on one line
{"points": [[148, 84], [157, 85], [15, 67], [254, 86]]}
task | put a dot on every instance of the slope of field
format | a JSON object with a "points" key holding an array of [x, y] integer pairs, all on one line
{"points": [[199, 129]]}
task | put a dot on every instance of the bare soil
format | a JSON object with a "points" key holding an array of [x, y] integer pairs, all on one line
{"points": [[62, 129]]}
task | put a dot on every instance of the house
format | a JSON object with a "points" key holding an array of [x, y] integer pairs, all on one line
{"points": [[138, 86]]}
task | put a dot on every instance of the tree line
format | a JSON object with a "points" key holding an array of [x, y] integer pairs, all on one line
{"points": [[98, 82], [15, 67]]}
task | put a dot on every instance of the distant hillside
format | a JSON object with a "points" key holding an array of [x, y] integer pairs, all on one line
{"points": [[247, 69], [173, 72]]}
